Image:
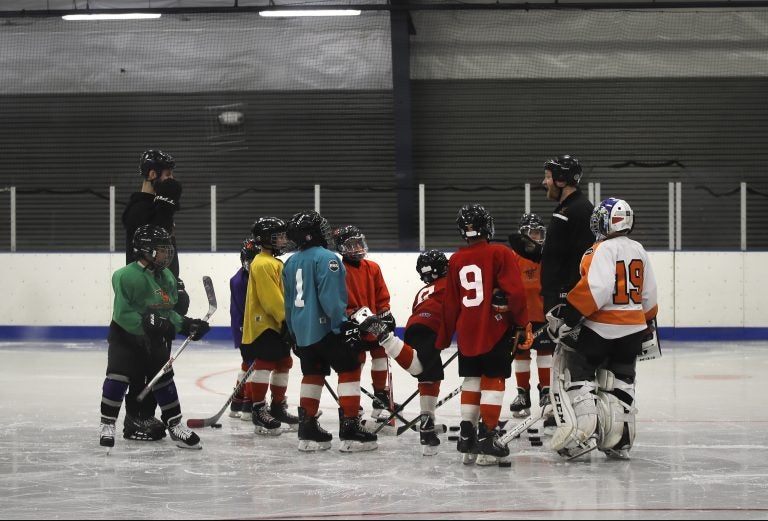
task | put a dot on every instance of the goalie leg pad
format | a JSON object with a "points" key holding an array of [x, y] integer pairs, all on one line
{"points": [[575, 410], [616, 414]]}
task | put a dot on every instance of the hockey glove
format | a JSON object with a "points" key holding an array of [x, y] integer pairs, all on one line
{"points": [[524, 337], [499, 302], [525, 247], [375, 327], [168, 192], [349, 334], [157, 327], [182, 305], [194, 327], [388, 319]]}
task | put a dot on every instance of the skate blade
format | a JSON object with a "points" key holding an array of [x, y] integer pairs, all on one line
{"points": [[486, 460], [182, 445], [584, 448], [521, 414], [246, 416], [234, 414], [357, 446], [313, 446], [267, 432], [617, 454], [290, 427], [429, 450]]}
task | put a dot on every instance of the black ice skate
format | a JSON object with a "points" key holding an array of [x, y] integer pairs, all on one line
{"points": [[354, 437], [490, 449], [467, 443], [182, 436], [279, 411], [427, 435], [312, 436], [150, 429], [264, 422], [521, 405]]}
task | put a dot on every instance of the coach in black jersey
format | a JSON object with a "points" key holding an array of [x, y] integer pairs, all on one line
{"points": [[568, 233]]}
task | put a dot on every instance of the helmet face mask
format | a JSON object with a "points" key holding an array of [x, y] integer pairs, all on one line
{"points": [[350, 243], [153, 245], [270, 233], [431, 265], [612, 217], [532, 226], [248, 251], [474, 222]]}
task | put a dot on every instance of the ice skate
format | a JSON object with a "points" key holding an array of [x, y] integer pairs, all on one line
{"points": [[312, 437], [279, 411], [521, 405], [354, 437], [107, 433], [428, 436], [264, 422], [182, 436]]}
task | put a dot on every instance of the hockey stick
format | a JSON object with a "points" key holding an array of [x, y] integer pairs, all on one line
{"points": [[411, 424], [518, 429], [196, 423], [208, 285], [415, 393]]}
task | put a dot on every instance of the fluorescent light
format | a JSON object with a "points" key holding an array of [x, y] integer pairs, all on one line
{"points": [[122, 16], [308, 12]]}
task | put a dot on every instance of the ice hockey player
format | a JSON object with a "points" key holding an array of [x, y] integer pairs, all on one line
{"points": [[238, 287], [485, 339], [418, 354], [366, 288], [315, 312], [607, 312], [143, 326], [264, 341]]}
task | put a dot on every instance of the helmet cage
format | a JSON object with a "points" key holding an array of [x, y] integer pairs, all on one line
{"points": [[248, 252], [612, 216]]}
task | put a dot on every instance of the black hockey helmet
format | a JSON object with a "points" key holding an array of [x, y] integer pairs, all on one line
{"points": [[308, 229], [350, 242], [268, 232], [564, 169], [474, 221], [248, 251], [153, 244], [431, 265], [156, 160], [533, 227]]}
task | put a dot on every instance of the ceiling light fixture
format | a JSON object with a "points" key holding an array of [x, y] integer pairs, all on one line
{"points": [[309, 12], [116, 16]]}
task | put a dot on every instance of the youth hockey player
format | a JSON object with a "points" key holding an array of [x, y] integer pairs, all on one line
{"points": [[315, 307], [612, 304], [238, 287], [144, 323], [263, 341], [366, 288], [532, 233], [485, 339], [418, 354]]}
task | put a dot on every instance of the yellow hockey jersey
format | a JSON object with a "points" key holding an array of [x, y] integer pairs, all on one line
{"points": [[264, 299]]}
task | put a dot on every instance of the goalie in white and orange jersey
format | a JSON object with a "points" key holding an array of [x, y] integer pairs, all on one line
{"points": [[607, 312]]}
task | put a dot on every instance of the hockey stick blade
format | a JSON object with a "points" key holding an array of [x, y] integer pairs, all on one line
{"points": [[210, 295], [196, 423]]}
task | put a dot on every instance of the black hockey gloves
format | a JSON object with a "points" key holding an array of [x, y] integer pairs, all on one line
{"points": [[157, 327], [168, 191], [194, 327]]}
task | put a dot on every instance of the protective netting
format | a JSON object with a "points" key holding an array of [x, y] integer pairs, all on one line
{"points": [[642, 97]]}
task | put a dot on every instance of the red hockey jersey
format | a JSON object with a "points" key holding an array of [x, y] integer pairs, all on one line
{"points": [[473, 273], [427, 307], [366, 287]]}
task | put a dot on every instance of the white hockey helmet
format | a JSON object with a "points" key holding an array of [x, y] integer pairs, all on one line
{"points": [[610, 217]]}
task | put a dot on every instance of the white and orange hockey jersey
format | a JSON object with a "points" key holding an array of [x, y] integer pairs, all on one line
{"points": [[617, 290]]}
